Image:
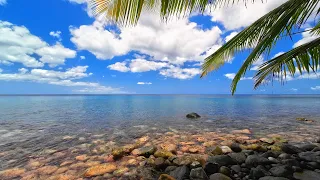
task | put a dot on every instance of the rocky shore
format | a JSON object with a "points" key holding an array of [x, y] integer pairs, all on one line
{"points": [[237, 155]]}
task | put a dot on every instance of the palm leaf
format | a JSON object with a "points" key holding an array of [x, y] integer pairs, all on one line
{"points": [[262, 35], [303, 58]]}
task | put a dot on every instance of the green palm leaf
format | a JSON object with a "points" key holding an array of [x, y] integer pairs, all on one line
{"points": [[303, 58]]}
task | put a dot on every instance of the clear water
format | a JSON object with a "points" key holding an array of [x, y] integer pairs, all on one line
{"points": [[30, 124]]}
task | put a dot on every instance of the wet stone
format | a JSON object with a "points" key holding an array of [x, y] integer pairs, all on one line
{"points": [[120, 171], [238, 157], [290, 149], [195, 164], [219, 176], [197, 174], [100, 170], [282, 171], [217, 151], [11, 173], [193, 115], [144, 151], [163, 153], [255, 160], [235, 147], [211, 168], [308, 147], [225, 170], [267, 140], [273, 178], [166, 177], [236, 168], [180, 173], [307, 175], [310, 156], [222, 160]]}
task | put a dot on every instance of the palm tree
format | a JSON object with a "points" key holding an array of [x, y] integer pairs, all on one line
{"points": [[260, 37]]}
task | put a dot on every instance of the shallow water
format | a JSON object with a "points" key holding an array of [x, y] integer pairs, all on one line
{"points": [[34, 127]]}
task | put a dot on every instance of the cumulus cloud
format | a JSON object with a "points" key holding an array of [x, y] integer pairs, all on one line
{"points": [[119, 66], [240, 15], [60, 78], [82, 57], [144, 83], [230, 36], [176, 41], [180, 73], [232, 75], [56, 34], [306, 37], [18, 45], [257, 64], [316, 88]]}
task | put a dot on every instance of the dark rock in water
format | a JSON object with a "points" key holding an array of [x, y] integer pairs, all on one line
{"points": [[198, 174], [217, 151], [304, 120], [225, 170], [308, 147], [284, 156], [193, 116], [144, 151], [290, 162], [219, 176], [248, 152], [166, 177], [258, 172], [222, 160], [236, 168], [180, 173], [211, 168], [290, 149], [195, 164], [238, 157], [269, 154], [310, 156], [282, 171], [235, 147], [273, 178], [297, 169], [255, 160], [274, 160], [307, 175]]}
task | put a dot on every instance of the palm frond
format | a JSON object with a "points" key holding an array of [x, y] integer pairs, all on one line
{"points": [[127, 12], [262, 35], [305, 58]]}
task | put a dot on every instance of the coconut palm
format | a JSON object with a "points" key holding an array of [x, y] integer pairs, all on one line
{"points": [[260, 37]]}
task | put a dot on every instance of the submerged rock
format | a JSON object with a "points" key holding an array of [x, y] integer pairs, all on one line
{"points": [[235, 147], [166, 177], [11, 173], [273, 178], [302, 119], [163, 153], [100, 170], [238, 157], [267, 140], [193, 116], [217, 151], [310, 156], [290, 149], [144, 151]]}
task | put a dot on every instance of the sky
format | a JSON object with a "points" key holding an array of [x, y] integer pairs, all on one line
{"points": [[58, 47]]}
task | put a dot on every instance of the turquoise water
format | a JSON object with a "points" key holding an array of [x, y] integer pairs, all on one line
{"points": [[30, 124]]}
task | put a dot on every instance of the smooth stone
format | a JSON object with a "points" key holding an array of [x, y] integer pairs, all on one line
{"points": [[211, 168], [166, 177], [144, 151], [217, 151], [284, 156], [163, 153], [310, 156], [273, 160], [195, 164], [170, 147], [290, 162], [225, 149], [222, 160], [120, 172], [159, 163], [198, 174], [255, 160], [238, 157], [267, 140], [307, 175], [290, 149], [12, 173], [219, 176], [170, 168], [235, 147], [282, 171], [193, 116], [269, 154], [273, 178], [316, 149], [180, 173], [308, 147], [225, 170], [236, 168], [258, 172], [243, 131], [313, 165], [317, 140], [100, 170]]}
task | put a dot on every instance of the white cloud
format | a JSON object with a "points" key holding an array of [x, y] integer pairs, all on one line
{"points": [[61, 78], [176, 41], [18, 45], [82, 57], [142, 65], [257, 64], [316, 88], [306, 37], [180, 73], [56, 34], [278, 54], [230, 36], [3, 2], [79, 1], [144, 83], [240, 15], [232, 75], [294, 89], [119, 66]]}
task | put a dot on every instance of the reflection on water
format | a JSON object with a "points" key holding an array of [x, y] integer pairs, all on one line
{"points": [[36, 128]]}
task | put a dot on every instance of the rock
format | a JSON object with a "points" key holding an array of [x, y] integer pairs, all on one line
{"points": [[120, 171], [258, 172], [144, 151], [269, 154], [235, 147], [273, 160], [284, 156], [83, 157], [198, 174], [238, 157], [219, 176], [12, 173], [316, 149], [307, 175], [317, 140], [160, 163], [304, 120], [290, 162], [243, 131], [118, 153], [226, 149], [211, 168], [180, 173], [169, 147], [256, 147], [100, 170], [310, 156], [313, 165], [225, 170], [282, 171], [47, 170], [217, 151], [236, 168], [193, 150], [166, 177], [193, 116], [170, 168], [222, 160], [308, 147], [195, 164], [163, 153], [255, 160], [273, 178], [290, 149], [267, 140]]}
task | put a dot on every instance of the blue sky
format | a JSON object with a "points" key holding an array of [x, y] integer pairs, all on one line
{"points": [[57, 47]]}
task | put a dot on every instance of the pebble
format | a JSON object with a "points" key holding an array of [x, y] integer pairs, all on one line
{"points": [[100, 170]]}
